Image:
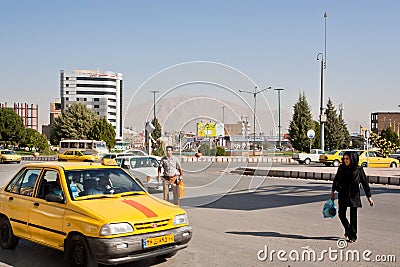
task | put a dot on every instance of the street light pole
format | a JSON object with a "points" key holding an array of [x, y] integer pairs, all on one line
{"points": [[154, 103], [322, 116], [279, 114], [254, 93], [223, 114]]}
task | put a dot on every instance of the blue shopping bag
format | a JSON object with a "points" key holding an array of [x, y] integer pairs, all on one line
{"points": [[330, 209]]}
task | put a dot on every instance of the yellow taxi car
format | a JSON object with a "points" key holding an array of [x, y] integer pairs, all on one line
{"points": [[77, 155], [95, 214], [334, 157], [375, 159], [9, 156]]}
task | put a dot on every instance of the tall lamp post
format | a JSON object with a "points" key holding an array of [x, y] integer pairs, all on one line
{"points": [[322, 116], [154, 103], [254, 93], [279, 114]]}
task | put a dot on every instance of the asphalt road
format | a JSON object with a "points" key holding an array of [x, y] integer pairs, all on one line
{"points": [[237, 218]]}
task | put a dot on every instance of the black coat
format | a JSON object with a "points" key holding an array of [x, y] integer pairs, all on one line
{"points": [[347, 183]]}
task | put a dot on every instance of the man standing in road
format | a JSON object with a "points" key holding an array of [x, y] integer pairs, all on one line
{"points": [[172, 167]]}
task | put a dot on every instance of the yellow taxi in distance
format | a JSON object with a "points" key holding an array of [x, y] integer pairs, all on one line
{"points": [[94, 213], [9, 156], [374, 159], [334, 157], [77, 155]]}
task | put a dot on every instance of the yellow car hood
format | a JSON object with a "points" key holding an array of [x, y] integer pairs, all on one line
{"points": [[128, 208]]}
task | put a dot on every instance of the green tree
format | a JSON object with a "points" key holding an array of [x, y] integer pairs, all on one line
{"points": [[34, 139], [103, 130], [158, 147], [220, 151], [299, 125], [386, 147], [40, 142], [334, 133], [390, 135], [12, 129], [316, 142], [73, 123], [346, 134], [208, 149], [26, 141]]}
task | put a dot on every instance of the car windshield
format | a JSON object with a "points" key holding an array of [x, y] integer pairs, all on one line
{"points": [[332, 152], [144, 162], [100, 182], [7, 152], [86, 153]]}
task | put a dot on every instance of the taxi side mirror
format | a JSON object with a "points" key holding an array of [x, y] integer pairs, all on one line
{"points": [[54, 198]]}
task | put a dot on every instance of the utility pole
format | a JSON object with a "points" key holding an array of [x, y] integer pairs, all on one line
{"points": [[154, 103], [322, 116], [254, 93]]}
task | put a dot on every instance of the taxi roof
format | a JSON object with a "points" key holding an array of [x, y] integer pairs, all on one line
{"points": [[71, 165]]}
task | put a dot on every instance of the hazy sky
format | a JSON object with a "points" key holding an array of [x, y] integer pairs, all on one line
{"points": [[272, 43]]}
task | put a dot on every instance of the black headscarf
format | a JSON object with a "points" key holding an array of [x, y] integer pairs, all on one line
{"points": [[354, 158]]}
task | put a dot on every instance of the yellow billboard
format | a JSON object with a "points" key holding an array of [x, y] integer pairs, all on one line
{"points": [[210, 129]]}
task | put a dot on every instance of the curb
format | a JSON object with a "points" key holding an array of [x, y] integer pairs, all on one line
{"points": [[385, 180]]}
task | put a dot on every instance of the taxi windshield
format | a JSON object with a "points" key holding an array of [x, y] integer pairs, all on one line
{"points": [[99, 182]]}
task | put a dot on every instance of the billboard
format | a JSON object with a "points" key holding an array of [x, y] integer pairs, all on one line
{"points": [[210, 129]]}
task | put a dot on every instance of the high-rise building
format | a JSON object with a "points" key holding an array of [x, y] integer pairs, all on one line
{"points": [[100, 92]]}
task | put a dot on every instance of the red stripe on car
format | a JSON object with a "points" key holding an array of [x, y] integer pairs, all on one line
{"points": [[143, 209]]}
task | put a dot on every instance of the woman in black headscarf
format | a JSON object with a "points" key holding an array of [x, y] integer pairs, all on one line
{"points": [[347, 182]]}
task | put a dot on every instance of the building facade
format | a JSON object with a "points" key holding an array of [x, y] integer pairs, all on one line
{"points": [[55, 111], [383, 120], [100, 92], [28, 113]]}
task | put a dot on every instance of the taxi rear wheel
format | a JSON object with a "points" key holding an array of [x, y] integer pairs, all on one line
{"points": [[336, 163], [393, 165], [79, 253], [7, 238]]}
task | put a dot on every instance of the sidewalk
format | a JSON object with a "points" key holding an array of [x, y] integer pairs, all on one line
{"points": [[389, 176]]}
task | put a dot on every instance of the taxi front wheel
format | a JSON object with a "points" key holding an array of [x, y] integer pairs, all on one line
{"points": [[79, 253], [7, 238]]}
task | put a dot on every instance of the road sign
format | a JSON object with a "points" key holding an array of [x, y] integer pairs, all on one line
{"points": [[310, 134]]}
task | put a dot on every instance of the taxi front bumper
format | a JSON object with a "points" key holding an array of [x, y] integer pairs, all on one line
{"points": [[130, 248]]}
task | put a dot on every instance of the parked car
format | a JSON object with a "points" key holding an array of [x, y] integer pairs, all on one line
{"points": [[395, 155], [136, 152], [334, 157], [9, 156], [62, 205], [114, 155], [144, 168], [77, 155], [307, 158], [377, 160]]}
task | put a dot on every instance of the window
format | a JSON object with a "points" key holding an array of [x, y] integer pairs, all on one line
{"points": [[96, 99], [67, 85], [66, 78], [67, 98], [96, 106], [69, 153], [50, 184], [66, 92], [85, 99], [26, 183]]}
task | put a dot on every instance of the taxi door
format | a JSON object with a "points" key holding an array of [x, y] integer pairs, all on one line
{"points": [[373, 160], [46, 218], [18, 199]]}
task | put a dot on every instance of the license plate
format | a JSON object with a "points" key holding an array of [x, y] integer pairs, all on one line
{"points": [[158, 241]]}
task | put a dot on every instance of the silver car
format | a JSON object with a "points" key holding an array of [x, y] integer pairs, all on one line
{"points": [[143, 168]]}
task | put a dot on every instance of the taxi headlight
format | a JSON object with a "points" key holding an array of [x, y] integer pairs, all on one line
{"points": [[180, 219], [115, 229]]}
